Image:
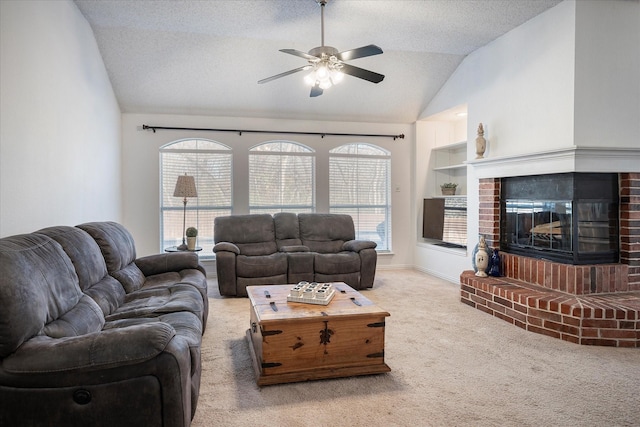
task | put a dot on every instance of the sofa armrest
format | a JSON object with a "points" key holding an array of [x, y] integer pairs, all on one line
{"points": [[162, 263], [95, 351], [294, 248], [358, 245], [226, 246]]}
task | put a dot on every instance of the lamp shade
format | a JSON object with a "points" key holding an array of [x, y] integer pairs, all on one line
{"points": [[185, 187]]}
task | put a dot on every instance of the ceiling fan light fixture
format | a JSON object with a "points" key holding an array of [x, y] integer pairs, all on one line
{"points": [[337, 76], [324, 76], [325, 84], [310, 79], [322, 72], [327, 64]]}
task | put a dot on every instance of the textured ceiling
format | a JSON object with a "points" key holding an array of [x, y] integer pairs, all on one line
{"points": [[205, 57]]}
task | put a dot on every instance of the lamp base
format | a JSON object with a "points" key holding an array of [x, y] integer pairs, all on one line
{"points": [[183, 246]]}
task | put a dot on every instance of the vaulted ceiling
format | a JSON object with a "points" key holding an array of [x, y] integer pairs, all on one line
{"points": [[206, 57]]}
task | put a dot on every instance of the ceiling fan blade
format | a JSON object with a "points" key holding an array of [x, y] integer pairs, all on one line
{"points": [[300, 54], [286, 73], [359, 52], [316, 90], [361, 73]]}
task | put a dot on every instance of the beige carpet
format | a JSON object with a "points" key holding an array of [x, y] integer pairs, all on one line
{"points": [[451, 365]]}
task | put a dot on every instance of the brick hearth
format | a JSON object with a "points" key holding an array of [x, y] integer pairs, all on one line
{"points": [[602, 319], [584, 304]]}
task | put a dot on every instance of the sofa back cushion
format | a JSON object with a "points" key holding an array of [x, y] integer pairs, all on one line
{"points": [[85, 317], [38, 285], [325, 233], [287, 229], [90, 266], [119, 252], [252, 234]]}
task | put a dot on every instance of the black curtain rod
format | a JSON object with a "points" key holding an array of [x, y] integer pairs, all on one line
{"points": [[240, 132]]}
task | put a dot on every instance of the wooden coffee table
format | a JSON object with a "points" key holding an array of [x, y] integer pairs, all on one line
{"points": [[292, 341]]}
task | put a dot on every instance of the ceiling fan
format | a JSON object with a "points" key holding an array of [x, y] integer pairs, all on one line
{"points": [[328, 66]]}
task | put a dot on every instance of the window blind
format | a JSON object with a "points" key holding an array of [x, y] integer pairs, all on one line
{"points": [[359, 185], [281, 178], [210, 163]]}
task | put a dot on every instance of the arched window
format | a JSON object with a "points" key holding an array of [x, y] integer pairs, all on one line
{"points": [[360, 186], [210, 163], [281, 178]]}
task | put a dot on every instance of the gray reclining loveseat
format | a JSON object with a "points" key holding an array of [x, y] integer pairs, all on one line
{"points": [[92, 336], [261, 249]]}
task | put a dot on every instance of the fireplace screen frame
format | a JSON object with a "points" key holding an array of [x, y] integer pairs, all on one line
{"points": [[572, 218]]}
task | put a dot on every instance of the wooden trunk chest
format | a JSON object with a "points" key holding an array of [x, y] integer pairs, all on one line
{"points": [[292, 341]]}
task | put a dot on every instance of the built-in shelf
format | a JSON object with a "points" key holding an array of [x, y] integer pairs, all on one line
{"points": [[456, 196], [449, 147], [449, 165], [441, 149]]}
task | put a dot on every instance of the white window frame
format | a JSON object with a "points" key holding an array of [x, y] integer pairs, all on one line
{"points": [[199, 214], [369, 225]]}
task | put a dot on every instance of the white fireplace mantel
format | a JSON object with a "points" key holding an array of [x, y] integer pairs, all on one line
{"points": [[571, 159]]}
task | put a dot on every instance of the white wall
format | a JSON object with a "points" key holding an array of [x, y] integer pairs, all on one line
{"points": [[567, 79], [607, 100], [520, 87], [59, 120], [141, 168]]}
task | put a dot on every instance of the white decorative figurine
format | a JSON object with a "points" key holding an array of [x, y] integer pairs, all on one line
{"points": [[482, 258], [481, 143]]}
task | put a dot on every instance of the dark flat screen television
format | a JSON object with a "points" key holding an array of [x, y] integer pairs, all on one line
{"points": [[444, 221]]}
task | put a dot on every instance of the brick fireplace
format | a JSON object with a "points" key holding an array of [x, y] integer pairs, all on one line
{"points": [[596, 304]]}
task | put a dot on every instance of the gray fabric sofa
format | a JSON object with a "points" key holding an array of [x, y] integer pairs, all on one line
{"points": [[90, 335], [261, 249]]}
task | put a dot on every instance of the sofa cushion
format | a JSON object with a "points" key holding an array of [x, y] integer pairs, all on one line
{"points": [[340, 263], [294, 249], [130, 277], [252, 234], [257, 249], [38, 285], [83, 318], [287, 230], [84, 253], [159, 301], [119, 252], [261, 266], [108, 293], [325, 233], [115, 242], [90, 266], [243, 282], [300, 266], [115, 347], [187, 326], [300, 262]]}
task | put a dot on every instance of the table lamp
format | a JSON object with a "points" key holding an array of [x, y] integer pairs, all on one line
{"points": [[185, 187]]}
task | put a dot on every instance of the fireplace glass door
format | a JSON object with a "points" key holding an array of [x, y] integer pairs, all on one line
{"points": [[544, 225], [571, 218]]}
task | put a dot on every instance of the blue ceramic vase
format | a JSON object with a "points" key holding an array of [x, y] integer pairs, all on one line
{"points": [[494, 263]]}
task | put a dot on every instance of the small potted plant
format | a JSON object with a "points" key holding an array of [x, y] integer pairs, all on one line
{"points": [[448, 189], [192, 233]]}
